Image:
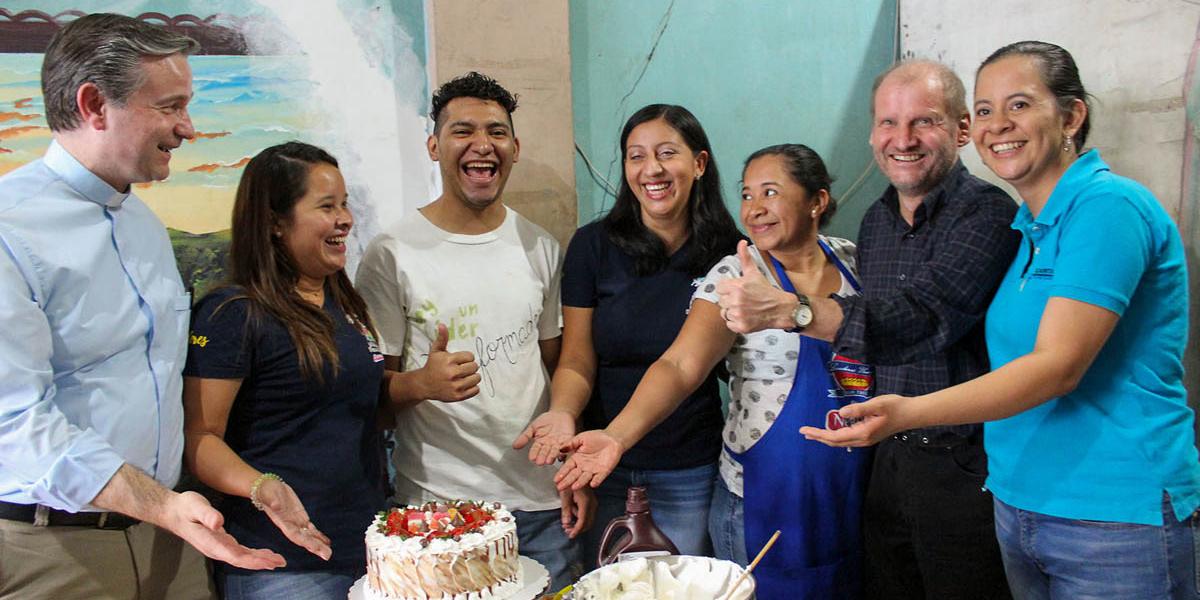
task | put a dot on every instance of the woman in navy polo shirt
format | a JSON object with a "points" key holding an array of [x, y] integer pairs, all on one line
{"points": [[627, 281], [1090, 447], [282, 384]]}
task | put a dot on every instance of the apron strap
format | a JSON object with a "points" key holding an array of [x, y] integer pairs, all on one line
{"points": [[786, 283]]}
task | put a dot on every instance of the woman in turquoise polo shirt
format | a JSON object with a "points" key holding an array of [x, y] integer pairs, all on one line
{"points": [[1090, 440]]}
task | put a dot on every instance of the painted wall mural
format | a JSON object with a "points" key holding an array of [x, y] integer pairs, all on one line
{"points": [[347, 76]]}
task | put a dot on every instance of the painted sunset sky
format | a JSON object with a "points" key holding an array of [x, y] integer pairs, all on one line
{"points": [[242, 104]]}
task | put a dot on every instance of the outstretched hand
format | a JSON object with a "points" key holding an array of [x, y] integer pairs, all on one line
{"points": [[449, 376], [750, 303], [283, 507], [592, 456], [877, 418], [549, 432], [189, 516]]}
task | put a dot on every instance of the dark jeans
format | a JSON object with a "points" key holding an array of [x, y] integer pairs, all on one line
{"points": [[928, 525]]}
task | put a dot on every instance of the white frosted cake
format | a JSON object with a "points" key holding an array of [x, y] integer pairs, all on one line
{"points": [[443, 551]]}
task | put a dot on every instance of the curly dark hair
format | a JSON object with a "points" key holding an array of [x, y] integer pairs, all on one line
{"points": [[471, 85]]}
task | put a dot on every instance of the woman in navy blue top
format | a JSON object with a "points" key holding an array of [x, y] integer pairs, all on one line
{"points": [[627, 282], [282, 384]]}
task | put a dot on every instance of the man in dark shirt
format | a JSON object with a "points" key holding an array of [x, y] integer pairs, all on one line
{"points": [[931, 252]]}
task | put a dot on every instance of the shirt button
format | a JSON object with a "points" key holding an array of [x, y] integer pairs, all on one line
{"points": [[909, 236], [1035, 228], [924, 440], [903, 277], [1037, 250], [904, 438]]}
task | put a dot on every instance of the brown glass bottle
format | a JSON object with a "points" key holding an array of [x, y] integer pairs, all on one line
{"points": [[640, 532]]}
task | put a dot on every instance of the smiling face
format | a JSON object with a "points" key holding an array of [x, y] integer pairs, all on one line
{"points": [[1019, 129], [475, 150], [314, 232], [777, 211], [660, 168], [140, 134], [914, 141]]}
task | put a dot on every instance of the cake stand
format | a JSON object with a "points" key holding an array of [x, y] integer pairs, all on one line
{"points": [[533, 581]]}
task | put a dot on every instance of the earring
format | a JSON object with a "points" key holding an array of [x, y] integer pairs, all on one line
{"points": [[1066, 143], [698, 175], [814, 213]]}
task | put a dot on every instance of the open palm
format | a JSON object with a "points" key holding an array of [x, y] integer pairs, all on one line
{"points": [[287, 513], [593, 455]]}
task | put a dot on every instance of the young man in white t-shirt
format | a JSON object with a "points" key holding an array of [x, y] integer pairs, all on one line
{"points": [[465, 296]]}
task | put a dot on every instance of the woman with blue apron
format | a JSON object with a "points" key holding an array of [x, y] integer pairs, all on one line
{"points": [[809, 491], [813, 494]]}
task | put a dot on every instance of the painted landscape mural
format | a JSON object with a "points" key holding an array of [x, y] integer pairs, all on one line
{"points": [[257, 82]]}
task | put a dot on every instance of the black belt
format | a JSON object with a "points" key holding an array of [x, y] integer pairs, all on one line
{"points": [[27, 513], [933, 439]]}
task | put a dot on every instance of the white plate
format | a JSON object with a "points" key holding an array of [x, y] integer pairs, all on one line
{"points": [[534, 579]]}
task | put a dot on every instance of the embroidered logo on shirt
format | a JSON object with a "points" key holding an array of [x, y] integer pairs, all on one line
{"points": [[854, 380], [199, 340], [372, 345], [1042, 273]]}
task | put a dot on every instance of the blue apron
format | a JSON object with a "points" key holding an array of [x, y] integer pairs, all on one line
{"points": [[809, 491]]}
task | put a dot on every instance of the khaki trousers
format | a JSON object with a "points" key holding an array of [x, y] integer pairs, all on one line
{"points": [[64, 563]]}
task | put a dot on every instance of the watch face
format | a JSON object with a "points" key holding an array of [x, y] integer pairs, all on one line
{"points": [[803, 315]]}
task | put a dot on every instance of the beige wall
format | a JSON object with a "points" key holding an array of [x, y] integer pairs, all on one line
{"points": [[526, 47]]}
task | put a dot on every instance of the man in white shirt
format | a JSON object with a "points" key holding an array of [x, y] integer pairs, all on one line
{"points": [[465, 294]]}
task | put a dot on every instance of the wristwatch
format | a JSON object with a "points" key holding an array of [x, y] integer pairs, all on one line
{"points": [[803, 315]]}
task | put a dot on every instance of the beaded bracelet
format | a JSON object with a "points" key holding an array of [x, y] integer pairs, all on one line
{"points": [[258, 483]]}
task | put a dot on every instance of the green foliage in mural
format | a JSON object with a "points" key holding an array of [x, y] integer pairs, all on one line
{"points": [[201, 257]]}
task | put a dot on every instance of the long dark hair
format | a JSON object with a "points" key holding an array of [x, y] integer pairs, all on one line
{"points": [[1059, 74], [806, 168], [260, 265], [711, 230]]}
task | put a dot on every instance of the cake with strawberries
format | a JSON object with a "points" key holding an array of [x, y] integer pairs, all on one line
{"points": [[457, 550]]}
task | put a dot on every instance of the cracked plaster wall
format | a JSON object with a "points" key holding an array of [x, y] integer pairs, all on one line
{"points": [[755, 74]]}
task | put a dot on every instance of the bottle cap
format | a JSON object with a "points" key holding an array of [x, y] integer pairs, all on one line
{"points": [[636, 500]]}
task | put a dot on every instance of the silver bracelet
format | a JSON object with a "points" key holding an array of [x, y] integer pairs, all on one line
{"points": [[258, 483]]}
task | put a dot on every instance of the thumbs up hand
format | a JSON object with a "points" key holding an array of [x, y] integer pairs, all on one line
{"points": [[449, 376], [750, 303]]}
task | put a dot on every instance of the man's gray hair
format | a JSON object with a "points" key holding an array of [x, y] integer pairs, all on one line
{"points": [[954, 94], [107, 51]]}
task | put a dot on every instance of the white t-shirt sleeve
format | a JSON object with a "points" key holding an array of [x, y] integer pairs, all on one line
{"points": [[379, 282], [550, 323]]}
